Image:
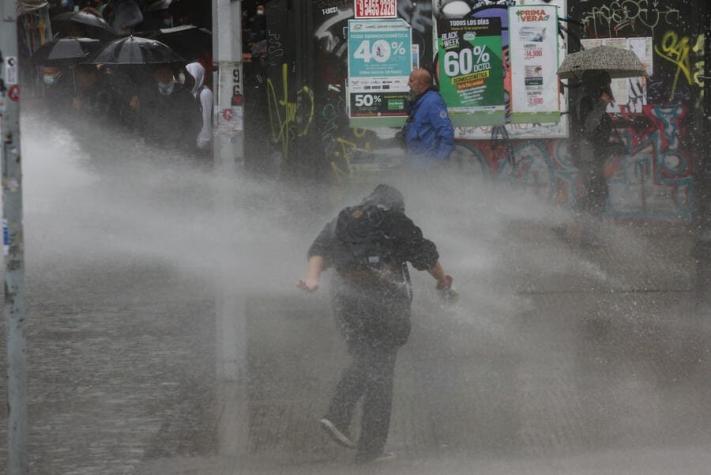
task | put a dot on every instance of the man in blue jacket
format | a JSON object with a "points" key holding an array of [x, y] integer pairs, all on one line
{"points": [[428, 133]]}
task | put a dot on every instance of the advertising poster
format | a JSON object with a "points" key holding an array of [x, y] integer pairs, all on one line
{"points": [[379, 66], [518, 130], [534, 61], [471, 70]]}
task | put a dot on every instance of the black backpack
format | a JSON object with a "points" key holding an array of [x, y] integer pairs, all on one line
{"points": [[365, 242]]}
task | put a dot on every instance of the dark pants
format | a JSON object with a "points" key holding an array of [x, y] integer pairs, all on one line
{"points": [[375, 322], [370, 376], [594, 184]]}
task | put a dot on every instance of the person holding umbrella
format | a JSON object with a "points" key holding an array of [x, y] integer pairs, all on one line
{"points": [[57, 60], [592, 126], [94, 99], [57, 89], [167, 113]]}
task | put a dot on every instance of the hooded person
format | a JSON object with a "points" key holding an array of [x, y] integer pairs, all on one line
{"points": [[369, 246], [204, 97]]}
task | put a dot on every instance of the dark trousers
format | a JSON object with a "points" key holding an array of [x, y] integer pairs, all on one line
{"points": [[595, 187], [375, 322], [370, 376]]}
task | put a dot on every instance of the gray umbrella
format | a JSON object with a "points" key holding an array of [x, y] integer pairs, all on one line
{"points": [[618, 62]]}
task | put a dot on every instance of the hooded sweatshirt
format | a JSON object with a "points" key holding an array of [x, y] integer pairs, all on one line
{"points": [[393, 225], [204, 96]]}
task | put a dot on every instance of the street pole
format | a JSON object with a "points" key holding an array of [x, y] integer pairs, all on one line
{"points": [[231, 339], [13, 243], [703, 204], [227, 51]]}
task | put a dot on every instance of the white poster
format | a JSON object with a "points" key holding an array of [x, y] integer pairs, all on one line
{"points": [[644, 49], [534, 63]]}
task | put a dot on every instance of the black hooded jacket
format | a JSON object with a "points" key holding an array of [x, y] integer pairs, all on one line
{"points": [[171, 121], [379, 222]]}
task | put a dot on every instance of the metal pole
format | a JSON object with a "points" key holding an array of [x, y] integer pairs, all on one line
{"points": [[231, 340], [227, 50], [13, 240], [703, 198]]}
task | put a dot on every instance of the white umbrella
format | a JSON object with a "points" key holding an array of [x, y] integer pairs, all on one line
{"points": [[618, 62]]}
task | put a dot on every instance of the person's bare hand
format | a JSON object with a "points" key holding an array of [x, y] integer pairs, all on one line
{"points": [[445, 283], [134, 103], [309, 285]]}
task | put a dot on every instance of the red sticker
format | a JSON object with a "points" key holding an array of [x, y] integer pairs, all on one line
{"points": [[14, 93], [227, 114]]}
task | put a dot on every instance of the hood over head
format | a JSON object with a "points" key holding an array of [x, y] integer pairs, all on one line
{"points": [[197, 71], [386, 197]]}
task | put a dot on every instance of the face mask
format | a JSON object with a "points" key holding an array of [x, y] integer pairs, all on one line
{"points": [[260, 11], [50, 79], [166, 88]]}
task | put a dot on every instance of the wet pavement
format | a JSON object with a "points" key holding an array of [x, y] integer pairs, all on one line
{"points": [[562, 360], [557, 358]]}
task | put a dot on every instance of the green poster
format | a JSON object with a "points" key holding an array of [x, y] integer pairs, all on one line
{"points": [[471, 70]]}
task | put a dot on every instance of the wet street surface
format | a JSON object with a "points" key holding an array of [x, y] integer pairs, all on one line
{"points": [[165, 334], [564, 360]]}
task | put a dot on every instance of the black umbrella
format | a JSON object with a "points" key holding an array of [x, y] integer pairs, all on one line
{"points": [[158, 5], [90, 25], [189, 41], [137, 50], [65, 51]]}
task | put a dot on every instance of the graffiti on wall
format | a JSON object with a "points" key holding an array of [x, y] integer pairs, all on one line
{"points": [[288, 118], [651, 179], [331, 32], [624, 17], [342, 145], [686, 54]]}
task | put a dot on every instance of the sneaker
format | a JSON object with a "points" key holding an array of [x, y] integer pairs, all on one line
{"points": [[338, 436], [383, 457]]}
